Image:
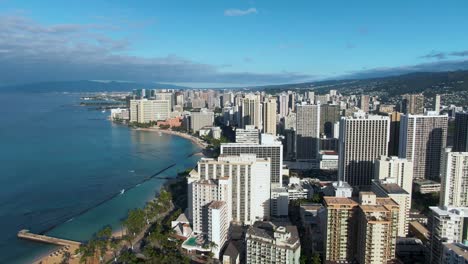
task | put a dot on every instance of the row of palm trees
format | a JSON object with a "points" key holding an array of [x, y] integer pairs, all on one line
{"points": [[137, 221]]}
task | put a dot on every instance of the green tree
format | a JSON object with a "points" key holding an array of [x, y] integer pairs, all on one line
{"points": [[134, 223], [65, 258], [86, 251], [316, 259]]}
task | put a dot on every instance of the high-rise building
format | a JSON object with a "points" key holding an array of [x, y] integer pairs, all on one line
{"points": [[377, 229], [437, 103], [399, 169], [269, 116], [201, 119], [322, 98], [460, 142], [251, 113], [454, 179], [249, 135], [311, 96], [446, 225], [218, 225], [243, 182], [169, 96], [365, 231], [362, 140], [267, 243], [162, 109], [144, 110], [292, 101], [422, 141], [412, 104], [141, 111], [307, 132], [388, 188], [283, 105], [180, 99], [364, 103], [329, 115], [272, 150], [393, 146], [339, 229]]}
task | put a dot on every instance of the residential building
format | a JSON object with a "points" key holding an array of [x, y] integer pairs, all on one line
{"points": [[218, 225], [267, 243], [437, 103], [395, 168], [339, 229], [393, 146], [363, 139], [279, 202], [169, 96], [120, 114], [162, 109], [389, 188], [251, 111], [283, 105], [201, 119], [446, 225], [329, 115], [269, 116], [142, 111], [412, 104], [249, 135], [454, 179], [455, 253], [426, 186], [460, 142], [377, 221], [365, 231], [247, 190], [364, 102], [272, 150], [307, 132], [422, 140]]}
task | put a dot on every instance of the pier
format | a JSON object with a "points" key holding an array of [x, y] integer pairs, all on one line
{"points": [[25, 234]]}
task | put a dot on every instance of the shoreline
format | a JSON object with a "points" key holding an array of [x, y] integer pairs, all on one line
{"points": [[200, 143], [50, 257]]}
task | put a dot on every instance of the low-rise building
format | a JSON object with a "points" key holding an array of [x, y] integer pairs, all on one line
{"points": [[426, 186], [267, 243], [455, 253], [328, 160]]}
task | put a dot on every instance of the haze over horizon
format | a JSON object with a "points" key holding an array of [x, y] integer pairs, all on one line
{"points": [[228, 44]]}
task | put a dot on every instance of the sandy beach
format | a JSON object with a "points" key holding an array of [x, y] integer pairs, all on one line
{"points": [[195, 140], [57, 255]]}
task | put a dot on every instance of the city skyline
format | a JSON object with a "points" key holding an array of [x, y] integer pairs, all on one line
{"points": [[224, 44]]}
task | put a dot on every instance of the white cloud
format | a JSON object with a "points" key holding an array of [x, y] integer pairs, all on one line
{"points": [[240, 12], [33, 52]]}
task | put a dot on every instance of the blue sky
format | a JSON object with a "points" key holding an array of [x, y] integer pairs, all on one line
{"points": [[228, 43]]}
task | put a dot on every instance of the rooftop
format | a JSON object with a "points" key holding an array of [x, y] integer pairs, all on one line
{"points": [[392, 188], [331, 200], [216, 204], [459, 249]]}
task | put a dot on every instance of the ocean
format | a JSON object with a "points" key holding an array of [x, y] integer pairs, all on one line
{"points": [[63, 167]]}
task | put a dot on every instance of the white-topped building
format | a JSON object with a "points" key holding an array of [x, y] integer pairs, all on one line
{"points": [[363, 139], [249, 135], [268, 148], [454, 179], [242, 181], [446, 225]]}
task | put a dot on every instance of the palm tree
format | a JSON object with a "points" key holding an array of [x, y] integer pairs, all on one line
{"points": [[66, 258]]}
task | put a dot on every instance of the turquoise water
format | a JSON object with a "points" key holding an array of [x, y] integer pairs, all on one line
{"points": [[58, 163]]}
